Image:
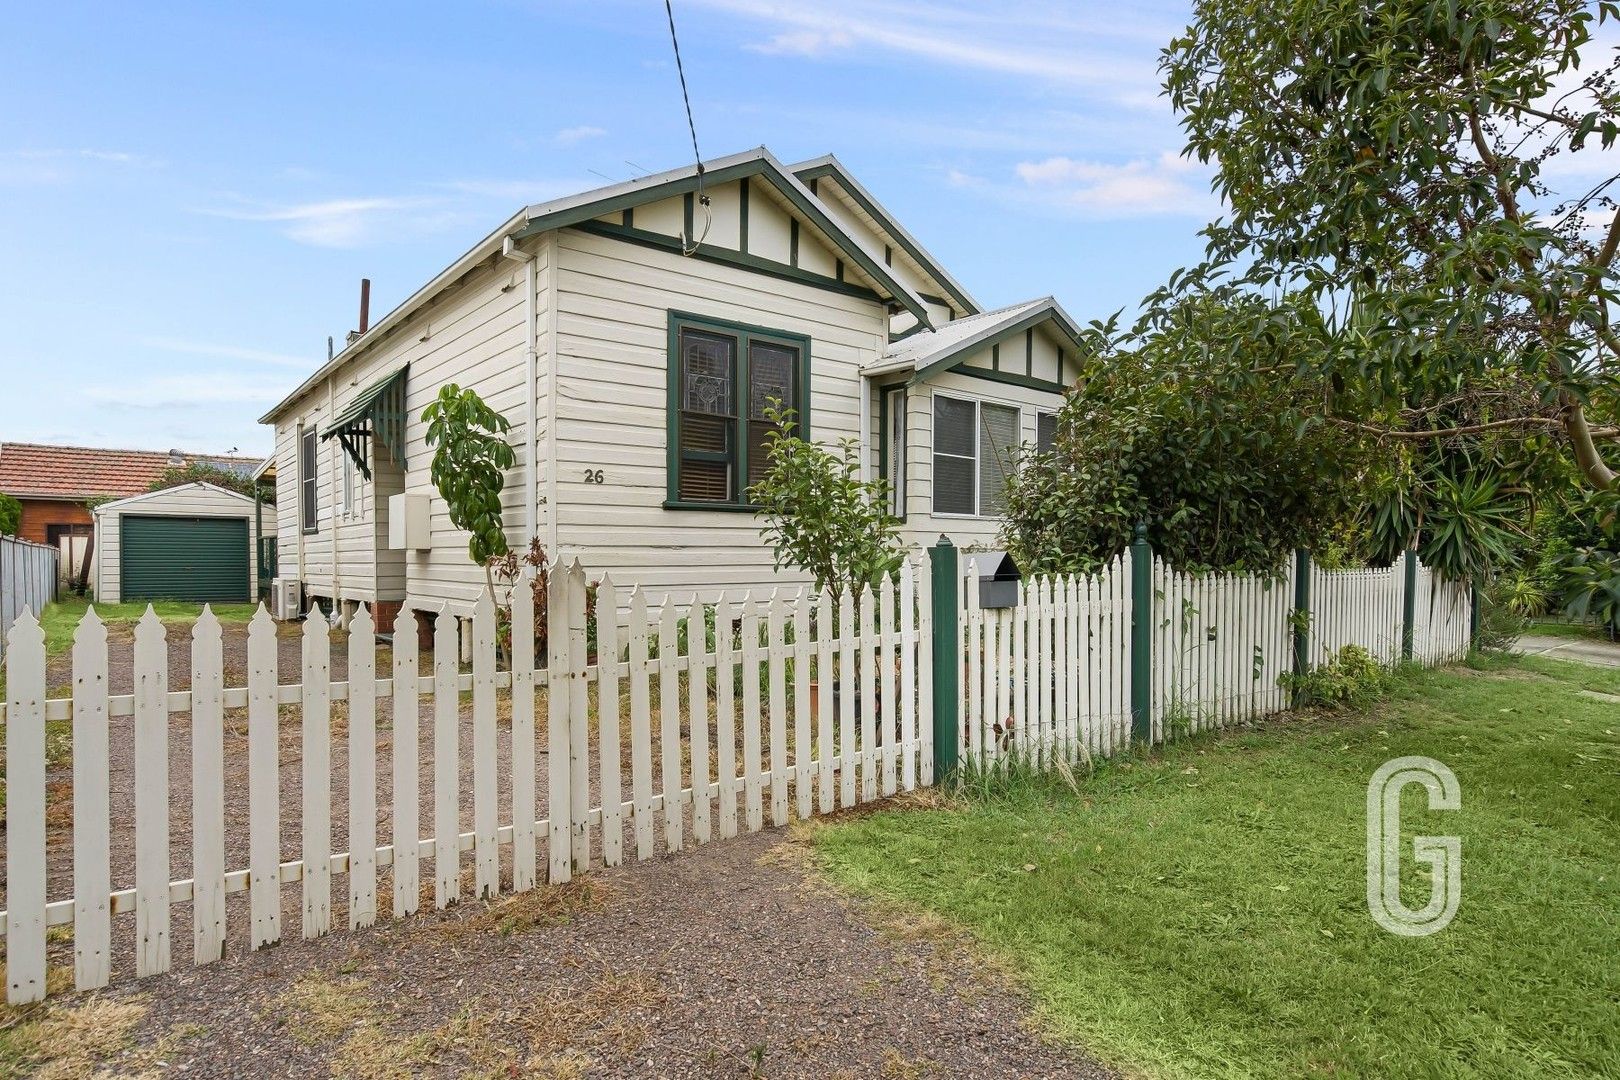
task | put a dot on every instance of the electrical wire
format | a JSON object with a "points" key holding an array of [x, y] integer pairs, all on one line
{"points": [[689, 246]]}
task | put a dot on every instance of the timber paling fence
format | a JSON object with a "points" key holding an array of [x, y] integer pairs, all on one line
{"points": [[666, 727], [27, 580]]}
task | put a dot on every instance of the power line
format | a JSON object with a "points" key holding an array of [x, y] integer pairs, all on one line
{"points": [[688, 244]]}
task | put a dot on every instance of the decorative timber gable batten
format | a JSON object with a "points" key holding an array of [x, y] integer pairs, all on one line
{"points": [[378, 411]]}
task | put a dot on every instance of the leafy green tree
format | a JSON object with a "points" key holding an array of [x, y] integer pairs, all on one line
{"points": [[470, 459], [819, 514], [193, 472], [1154, 433], [1398, 163], [10, 515]]}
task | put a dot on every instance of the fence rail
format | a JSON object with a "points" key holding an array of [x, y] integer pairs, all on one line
{"points": [[796, 703], [27, 580], [642, 731]]}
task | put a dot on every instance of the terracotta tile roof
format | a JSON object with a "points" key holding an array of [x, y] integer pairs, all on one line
{"points": [[31, 470]]}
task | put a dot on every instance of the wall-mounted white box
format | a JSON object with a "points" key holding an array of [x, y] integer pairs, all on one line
{"points": [[409, 524]]}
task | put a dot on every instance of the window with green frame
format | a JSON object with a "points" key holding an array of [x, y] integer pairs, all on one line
{"points": [[723, 377]]}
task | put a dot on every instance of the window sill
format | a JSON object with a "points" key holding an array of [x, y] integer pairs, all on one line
{"points": [[724, 508]]}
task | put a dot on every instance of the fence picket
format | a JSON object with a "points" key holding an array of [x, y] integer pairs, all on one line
{"points": [[801, 703], [25, 810], [978, 700], [579, 721], [725, 718], [362, 770], [523, 759], [316, 732], [407, 793], [609, 745], [669, 724], [486, 813], [868, 702], [446, 762], [776, 663], [207, 789], [641, 814], [824, 700], [846, 697], [559, 849], [264, 783], [92, 874], [888, 750], [753, 809], [908, 676], [151, 665], [697, 696]]}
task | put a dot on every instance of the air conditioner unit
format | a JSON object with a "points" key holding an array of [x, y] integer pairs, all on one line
{"points": [[284, 598]]}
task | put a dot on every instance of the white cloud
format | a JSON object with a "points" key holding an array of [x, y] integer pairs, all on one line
{"points": [[229, 352], [1029, 41], [570, 136], [1168, 184], [335, 223]]}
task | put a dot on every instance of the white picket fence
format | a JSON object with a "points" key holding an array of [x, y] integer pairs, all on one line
{"points": [[1049, 679], [27, 580], [790, 709]]}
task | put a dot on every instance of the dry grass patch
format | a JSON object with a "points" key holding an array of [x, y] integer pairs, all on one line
{"points": [[318, 1008], [67, 1042], [544, 905]]}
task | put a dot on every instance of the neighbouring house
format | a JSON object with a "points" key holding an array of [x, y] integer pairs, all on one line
{"points": [[192, 542], [633, 336], [57, 485]]}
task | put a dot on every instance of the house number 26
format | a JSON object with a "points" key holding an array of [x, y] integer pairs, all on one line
{"points": [[594, 476]]}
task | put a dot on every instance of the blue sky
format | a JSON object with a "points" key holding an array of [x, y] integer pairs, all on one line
{"points": [[189, 195]]}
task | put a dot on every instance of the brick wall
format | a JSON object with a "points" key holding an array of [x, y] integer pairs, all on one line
{"points": [[37, 514]]}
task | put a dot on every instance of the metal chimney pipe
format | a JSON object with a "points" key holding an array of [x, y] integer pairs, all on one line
{"points": [[365, 304]]}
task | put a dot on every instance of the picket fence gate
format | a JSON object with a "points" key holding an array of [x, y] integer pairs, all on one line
{"points": [[795, 704]]}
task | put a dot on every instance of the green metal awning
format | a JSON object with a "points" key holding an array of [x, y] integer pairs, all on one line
{"points": [[378, 413]]}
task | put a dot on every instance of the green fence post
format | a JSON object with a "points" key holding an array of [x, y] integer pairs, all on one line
{"points": [[1142, 637], [1475, 594], [945, 568], [1302, 614], [1409, 610]]}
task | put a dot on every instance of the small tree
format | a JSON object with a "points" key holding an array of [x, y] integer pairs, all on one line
{"points": [[470, 460], [10, 515], [193, 472], [819, 514]]}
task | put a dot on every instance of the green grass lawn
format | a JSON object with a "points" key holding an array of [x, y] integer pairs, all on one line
{"points": [[1203, 913], [1563, 628], [61, 619]]}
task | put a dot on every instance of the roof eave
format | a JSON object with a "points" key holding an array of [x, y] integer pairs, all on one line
{"points": [[1048, 309]]}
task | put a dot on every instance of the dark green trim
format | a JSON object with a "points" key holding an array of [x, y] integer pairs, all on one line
{"points": [[688, 210], [1029, 353], [950, 359], [790, 189], [1142, 638], [628, 219], [1409, 608], [995, 357], [945, 567], [378, 413], [1302, 616], [838, 269], [812, 185], [744, 332], [915, 328], [1474, 596], [793, 242], [728, 257], [742, 216], [888, 257], [1010, 378], [958, 301]]}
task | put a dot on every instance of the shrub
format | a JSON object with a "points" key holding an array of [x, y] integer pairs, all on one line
{"points": [[1351, 677], [10, 515]]}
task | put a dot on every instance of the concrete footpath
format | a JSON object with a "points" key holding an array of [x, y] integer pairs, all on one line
{"points": [[1586, 650]]}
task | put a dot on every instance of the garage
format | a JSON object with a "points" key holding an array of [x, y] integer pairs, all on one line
{"points": [[192, 543]]}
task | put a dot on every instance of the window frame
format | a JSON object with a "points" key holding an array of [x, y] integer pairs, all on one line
{"points": [[309, 491], [978, 450], [1042, 414], [742, 334], [893, 422]]}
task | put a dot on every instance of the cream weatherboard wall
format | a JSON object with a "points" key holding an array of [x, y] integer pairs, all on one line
{"points": [[189, 501], [472, 334], [613, 338]]}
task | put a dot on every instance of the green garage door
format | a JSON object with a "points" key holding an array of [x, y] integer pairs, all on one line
{"points": [[183, 558]]}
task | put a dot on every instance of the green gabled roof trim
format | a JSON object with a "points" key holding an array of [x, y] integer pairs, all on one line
{"points": [[728, 257], [953, 357], [1011, 378], [377, 412], [760, 165], [958, 299]]}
